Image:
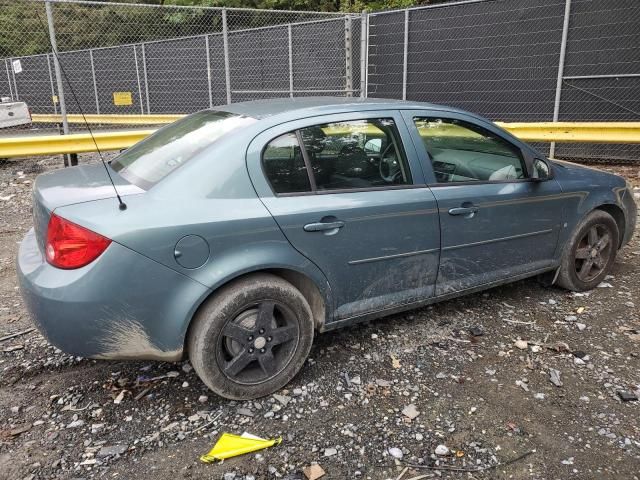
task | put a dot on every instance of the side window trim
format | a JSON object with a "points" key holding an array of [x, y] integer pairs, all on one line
{"points": [[410, 115]]}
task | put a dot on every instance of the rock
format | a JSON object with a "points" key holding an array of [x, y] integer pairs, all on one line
{"points": [[442, 450], [297, 392], [554, 376], [441, 375], [410, 411], [476, 331], [383, 383], [419, 437], [76, 424], [356, 380], [539, 396], [229, 476], [521, 344], [330, 452], [203, 399], [245, 412], [579, 354], [283, 399], [111, 451], [15, 410], [627, 396], [581, 326], [185, 384], [395, 453], [313, 472]]}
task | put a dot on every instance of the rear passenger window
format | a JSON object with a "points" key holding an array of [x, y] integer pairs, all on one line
{"points": [[284, 165], [461, 152], [359, 154]]}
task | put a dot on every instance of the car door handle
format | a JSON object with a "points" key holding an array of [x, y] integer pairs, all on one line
{"points": [[463, 211], [321, 226]]}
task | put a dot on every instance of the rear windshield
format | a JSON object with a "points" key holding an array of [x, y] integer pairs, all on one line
{"points": [[152, 159]]}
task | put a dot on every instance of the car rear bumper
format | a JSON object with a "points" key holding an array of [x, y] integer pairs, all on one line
{"points": [[121, 306]]}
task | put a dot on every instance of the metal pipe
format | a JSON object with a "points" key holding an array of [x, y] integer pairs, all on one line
{"points": [[56, 66], [144, 76], [6, 65], [13, 75], [405, 54], [207, 53], [563, 52], [225, 44], [363, 53], [53, 90], [595, 77], [295, 91], [366, 58], [289, 29], [135, 59], [348, 57], [95, 85]]}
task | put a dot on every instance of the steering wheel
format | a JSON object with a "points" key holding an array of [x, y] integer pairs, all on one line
{"points": [[391, 166]]}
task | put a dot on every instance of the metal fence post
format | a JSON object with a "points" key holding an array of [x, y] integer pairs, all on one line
{"points": [[563, 52], [146, 82], [6, 65], [405, 54], [290, 32], [135, 59], [206, 47], [225, 44], [364, 52], [95, 85], [15, 85], [68, 159], [348, 57], [53, 89]]}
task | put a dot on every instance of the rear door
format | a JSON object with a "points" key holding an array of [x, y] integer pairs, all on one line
{"points": [[349, 194], [497, 222]]}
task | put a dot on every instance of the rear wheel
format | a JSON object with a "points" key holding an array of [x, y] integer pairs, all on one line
{"points": [[252, 337], [590, 252]]}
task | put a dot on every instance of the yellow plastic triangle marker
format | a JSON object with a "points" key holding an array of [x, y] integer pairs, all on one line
{"points": [[233, 445]]}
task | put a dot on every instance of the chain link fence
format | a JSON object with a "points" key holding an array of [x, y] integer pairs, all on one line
{"points": [[515, 61], [146, 59], [508, 60]]}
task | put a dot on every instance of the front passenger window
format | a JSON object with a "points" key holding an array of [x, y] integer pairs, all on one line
{"points": [[461, 152]]}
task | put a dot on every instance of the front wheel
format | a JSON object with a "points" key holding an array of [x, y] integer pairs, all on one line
{"points": [[590, 252], [252, 337]]}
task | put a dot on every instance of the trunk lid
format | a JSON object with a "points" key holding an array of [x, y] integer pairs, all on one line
{"points": [[72, 185]]}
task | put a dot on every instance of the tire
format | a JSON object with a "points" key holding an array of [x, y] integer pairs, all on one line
{"points": [[251, 338], [585, 246]]}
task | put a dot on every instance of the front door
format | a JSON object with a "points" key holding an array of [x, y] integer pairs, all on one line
{"points": [[496, 221], [350, 196]]}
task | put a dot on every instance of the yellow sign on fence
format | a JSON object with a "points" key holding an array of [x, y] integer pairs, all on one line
{"points": [[122, 98]]}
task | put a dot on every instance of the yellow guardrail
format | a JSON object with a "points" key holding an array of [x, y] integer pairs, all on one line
{"points": [[29, 146], [561, 132], [94, 119], [575, 132]]}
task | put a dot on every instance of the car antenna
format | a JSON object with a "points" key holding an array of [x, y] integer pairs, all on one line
{"points": [[121, 204]]}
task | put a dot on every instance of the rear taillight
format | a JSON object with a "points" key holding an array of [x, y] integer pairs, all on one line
{"points": [[72, 246]]}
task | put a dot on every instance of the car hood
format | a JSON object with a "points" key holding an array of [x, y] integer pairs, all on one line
{"points": [[573, 172]]}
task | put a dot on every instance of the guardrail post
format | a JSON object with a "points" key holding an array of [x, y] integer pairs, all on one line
{"points": [[225, 44], [348, 56], [364, 52], [563, 52], [95, 85], [405, 54], [290, 33], [206, 48], [71, 159]]}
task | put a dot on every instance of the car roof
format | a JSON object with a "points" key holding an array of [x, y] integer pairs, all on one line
{"points": [[323, 105]]}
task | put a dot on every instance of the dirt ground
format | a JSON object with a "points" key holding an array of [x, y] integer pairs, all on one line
{"points": [[488, 401]]}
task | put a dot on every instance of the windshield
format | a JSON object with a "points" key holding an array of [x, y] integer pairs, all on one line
{"points": [[152, 159]]}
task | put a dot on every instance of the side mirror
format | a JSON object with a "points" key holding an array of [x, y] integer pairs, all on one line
{"points": [[373, 146], [541, 170]]}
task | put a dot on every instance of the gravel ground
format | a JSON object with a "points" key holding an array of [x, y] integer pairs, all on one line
{"points": [[371, 401]]}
